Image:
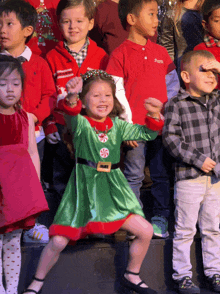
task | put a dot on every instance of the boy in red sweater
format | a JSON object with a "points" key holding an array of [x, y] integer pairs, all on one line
{"points": [[17, 23], [211, 24], [71, 57], [145, 70]]}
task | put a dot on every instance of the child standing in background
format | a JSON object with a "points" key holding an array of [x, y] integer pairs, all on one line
{"points": [[21, 195], [98, 198], [108, 32], [17, 23], [181, 29], [47, 32], [192, 135], [211, 24], [71, 57], [145, 70]]}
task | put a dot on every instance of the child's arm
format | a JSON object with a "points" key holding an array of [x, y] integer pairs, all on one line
{"points": [[32, 146], [172, 83], [174, 139]]}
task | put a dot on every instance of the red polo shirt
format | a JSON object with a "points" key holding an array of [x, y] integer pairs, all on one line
{"points": [[143, 69]]}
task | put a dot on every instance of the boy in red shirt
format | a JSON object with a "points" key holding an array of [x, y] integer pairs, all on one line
{"points": [[211, 24], [146, 70], [39, 89], [71, 57]]}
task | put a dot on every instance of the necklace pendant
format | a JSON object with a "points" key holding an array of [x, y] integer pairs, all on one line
{"points": [[103, 137]]}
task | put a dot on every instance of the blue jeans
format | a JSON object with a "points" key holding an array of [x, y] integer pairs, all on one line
{"points": [[160, 165]]}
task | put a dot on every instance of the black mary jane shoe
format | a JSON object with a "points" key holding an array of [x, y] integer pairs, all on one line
{"points": [[31, 290], [135, 287]]}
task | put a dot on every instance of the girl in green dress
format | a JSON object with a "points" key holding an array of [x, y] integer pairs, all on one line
{"points": [[98, 198]]}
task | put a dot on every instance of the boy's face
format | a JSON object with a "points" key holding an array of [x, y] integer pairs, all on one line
{"points": [[146, 23], [75, 25], [12, 35], [199, 82], [213, 24]]}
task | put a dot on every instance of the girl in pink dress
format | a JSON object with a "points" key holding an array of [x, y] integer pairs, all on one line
{"points": [[21, 196]]}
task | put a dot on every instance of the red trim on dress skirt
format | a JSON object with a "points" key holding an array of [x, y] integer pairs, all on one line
{"points": [[91, 228], [25, 224]]}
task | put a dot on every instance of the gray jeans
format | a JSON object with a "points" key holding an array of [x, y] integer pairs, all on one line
{"points": [[196, 200]]}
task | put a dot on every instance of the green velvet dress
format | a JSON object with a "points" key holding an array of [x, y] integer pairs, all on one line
{"points": [[98, 202]]}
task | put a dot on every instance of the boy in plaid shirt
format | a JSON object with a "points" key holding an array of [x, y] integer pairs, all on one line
{"points": [[192, 135]]}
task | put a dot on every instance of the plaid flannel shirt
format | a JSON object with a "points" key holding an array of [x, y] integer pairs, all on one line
{"points": [[210, 41], [81, 55], [191, 133]]}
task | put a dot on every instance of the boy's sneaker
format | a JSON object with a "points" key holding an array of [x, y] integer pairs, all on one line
{"points": [[160, 226], [39, 233], [185, 285], [214, 283]]}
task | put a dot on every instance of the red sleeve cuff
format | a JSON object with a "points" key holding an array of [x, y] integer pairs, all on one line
{"points": [[70, 110], [50, 129], [153, 124]]}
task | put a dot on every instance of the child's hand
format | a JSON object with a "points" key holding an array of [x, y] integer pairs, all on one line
{"points": [[153, 106], [208, 165], [74, 86], [212, 65], [53, 138], [132, 144]]}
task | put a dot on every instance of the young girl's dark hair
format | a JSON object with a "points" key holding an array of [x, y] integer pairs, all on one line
{"points": [[7, 65], [130, 6], [88, 4], [101, 76], [208, 7]]}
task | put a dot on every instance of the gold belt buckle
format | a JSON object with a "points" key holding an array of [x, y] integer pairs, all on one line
{"points": [[104, 166]]}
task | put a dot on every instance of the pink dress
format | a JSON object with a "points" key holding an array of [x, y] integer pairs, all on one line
{"points": [[21, 196]]}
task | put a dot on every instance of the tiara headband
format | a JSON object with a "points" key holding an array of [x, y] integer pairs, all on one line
{"points": [[96, 73]]}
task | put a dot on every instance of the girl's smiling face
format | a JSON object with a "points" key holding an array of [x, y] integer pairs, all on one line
{"points": [[98, 101]]}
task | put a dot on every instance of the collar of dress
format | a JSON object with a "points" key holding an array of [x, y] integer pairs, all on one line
{"points": [[100, 126]]}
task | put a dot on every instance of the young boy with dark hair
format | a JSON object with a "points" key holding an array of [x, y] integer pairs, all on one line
{"points": [[145, 70], [17, 23], [211, 24], [192, 135], [72, 57]]}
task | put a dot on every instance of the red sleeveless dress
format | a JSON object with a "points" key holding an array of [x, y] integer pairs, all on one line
{"points": [[21, 196]]}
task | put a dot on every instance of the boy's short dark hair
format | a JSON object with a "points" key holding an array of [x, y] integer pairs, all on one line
{"points": [[208, 7], [187, 57], [129, 6], [88, 4], [25, 13]]}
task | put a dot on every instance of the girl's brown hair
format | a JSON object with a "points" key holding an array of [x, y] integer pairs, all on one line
{"points": [[88, 4], [96, 76], [178, 7]]}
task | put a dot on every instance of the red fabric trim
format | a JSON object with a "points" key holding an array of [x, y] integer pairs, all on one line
{"points": [[26, 224], [50, 129], [153, 124], [100, 126], [70, 110], [91, 228]]}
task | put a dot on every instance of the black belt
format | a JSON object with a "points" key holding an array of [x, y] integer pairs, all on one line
{"points": [[100, 166]]}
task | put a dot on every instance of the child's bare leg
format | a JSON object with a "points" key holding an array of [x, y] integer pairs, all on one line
{"points": [[48, 258], [143, 231]]}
